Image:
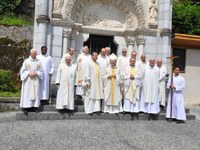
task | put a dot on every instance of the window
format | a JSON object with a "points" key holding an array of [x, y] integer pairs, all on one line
{"points": [[180, 61]]}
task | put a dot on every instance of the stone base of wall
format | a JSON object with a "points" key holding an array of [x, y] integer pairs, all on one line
{"points": [[9, 104]]}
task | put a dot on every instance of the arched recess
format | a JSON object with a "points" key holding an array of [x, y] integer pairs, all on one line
{"points": [[132, 11]]}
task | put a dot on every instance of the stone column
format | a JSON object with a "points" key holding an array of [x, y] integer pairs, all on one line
{"points": [[66, 35], [130, 44], [140, 42], [73, 39], [165, 34], [43, 21]]}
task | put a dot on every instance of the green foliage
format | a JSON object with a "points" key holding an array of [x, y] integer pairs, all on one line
{"points": [[8, 6], [6, 84], [186, 17], [10, 19], [10, 94]]}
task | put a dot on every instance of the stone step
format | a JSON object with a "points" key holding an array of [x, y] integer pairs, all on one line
{"points": [[80, 115], [76, 101], [80, 108]]}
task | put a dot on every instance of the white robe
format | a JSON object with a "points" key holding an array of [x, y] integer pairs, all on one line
{"points": [[93, 88], [122, 63], [73, 60], [66, 80], [104, 62], [149, 102], [162, 85], [83, 61], [132, 89], [178, 109], [112, 96], [48, 67], [30, 92]]}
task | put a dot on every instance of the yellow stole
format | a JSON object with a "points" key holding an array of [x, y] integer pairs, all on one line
{"points": [[113, 87], [97, 75], [132, 87]]}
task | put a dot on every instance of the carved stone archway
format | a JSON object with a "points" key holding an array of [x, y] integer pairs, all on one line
{"points": [[74, 9]]}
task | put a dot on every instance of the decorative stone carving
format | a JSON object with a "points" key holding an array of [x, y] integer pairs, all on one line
{"points": [[130, 40], [58, 4], [102, 15], [67, 32], [140, 40], [75, 7], [74, 34], [153, 14]]}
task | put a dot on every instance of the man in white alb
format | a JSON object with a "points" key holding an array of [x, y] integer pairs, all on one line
{"points": [[31, 74], [70, 52]]}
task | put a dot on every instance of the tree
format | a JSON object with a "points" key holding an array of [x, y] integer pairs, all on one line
{"points": [[8, 6], [186, 17]]}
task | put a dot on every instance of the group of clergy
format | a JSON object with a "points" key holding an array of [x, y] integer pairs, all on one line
{"points": [[106, 83]]}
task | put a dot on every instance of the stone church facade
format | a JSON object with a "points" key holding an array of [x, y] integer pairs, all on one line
{"points": [[140, 25]]}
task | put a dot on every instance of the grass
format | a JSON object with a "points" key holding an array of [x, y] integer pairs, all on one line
{"points": [[10, 94], [12, 20]]}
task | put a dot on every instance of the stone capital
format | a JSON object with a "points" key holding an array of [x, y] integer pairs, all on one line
{"points": [[140, 40], [43, 19], [66, 32], [74, 34], [130, 40], [165, 32]]}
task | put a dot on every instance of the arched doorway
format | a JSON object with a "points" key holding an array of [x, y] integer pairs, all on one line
{"points": [[96, 42]]}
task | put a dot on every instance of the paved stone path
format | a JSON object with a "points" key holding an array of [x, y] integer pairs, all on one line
{"points": [[98, 134]]}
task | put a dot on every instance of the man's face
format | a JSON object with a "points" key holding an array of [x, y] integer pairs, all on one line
{"points": [[86, 50], [132, 62], [143, 58], [44, 51], [133, 55], [107, 52], [103, 52], [71, 52], [159, 63], [124, 52], [94, 57], [177, 71], [33, 54], [151, 62], [68, 61], [113, 62]]}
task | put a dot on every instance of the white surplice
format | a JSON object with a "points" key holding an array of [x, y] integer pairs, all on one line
{"points": [[93, 88], [132, 89], [48, 67], [104, 62], [149, 102], [162, 85], [112, 96], [178, 109], [30, 92], [83, 61], [66, 80]]}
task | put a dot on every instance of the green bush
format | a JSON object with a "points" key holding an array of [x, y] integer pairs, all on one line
{"points": [[10, 19], [8, 6], [6, 81]]}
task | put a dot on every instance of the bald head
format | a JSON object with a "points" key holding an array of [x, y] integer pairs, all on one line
{"points": [[107, 51], [132, 61], [33, 53], [133, 54], [143, 58], [159, 62], [71, 51], [124, 52], [103, 52]]}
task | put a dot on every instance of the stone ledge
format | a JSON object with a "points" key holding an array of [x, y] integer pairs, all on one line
{"points": [[80, 115], [9, 99]]}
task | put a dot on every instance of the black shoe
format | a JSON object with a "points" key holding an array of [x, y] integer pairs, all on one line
{"points": [[180, 121], [25, 111], [36, 110]]}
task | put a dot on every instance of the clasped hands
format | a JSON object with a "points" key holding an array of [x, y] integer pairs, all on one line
{"points": [[112, 76], [32, 74], [132, 77]]}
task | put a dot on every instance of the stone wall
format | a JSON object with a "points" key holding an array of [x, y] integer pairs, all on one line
{"points": [[9, 104], [17, 33]]}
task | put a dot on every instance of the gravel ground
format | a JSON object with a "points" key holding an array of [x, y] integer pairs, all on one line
{"points": [[99, 135]]}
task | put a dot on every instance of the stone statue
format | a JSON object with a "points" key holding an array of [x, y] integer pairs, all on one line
{"points": [[57, 5], [153, 11]]}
